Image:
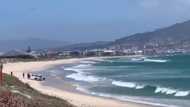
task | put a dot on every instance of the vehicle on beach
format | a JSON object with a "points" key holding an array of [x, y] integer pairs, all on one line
{"points": [[37, 77]]}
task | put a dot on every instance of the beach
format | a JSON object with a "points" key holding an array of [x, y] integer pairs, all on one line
{"points": [[77, 99]]}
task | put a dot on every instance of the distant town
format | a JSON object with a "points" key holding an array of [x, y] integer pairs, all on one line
{"points": [[29, 54]]}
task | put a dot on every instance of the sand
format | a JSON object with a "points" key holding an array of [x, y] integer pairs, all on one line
{"points": [[77, 99]]}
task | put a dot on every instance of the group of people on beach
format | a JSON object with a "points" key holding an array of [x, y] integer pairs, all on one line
{"points": [[28, 75], [37, 77]]}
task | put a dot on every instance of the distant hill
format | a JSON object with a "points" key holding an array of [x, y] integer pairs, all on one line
{"points": [[6, 45], [177, 35]]}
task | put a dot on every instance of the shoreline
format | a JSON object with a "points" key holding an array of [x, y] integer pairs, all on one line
{"points": [[72, 97]]}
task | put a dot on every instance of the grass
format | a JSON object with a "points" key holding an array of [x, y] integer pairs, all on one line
{"points": [[24, 96]]}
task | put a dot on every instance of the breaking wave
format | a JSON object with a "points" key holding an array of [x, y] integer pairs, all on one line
{"points": [[128, 84], [88, 62], [157, 89], [121, 98], [170, 91], [131, 99], [155, 60], [144, 59], [80, 75], [140, 100], [80, 66]]}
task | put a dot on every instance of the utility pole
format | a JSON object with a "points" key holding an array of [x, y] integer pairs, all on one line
{"points": [[28, 49], [1, 73]]}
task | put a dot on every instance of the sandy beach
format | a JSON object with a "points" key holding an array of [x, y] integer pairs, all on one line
{"points": [[79, 100]]}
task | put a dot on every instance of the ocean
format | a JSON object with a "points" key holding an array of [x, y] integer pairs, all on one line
{"points": [[160, 81]]}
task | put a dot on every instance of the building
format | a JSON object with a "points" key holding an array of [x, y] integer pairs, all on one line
{"points": [[16, 55]]}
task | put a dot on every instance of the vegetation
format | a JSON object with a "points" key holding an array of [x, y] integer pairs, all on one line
{"points": [[14, 93]]}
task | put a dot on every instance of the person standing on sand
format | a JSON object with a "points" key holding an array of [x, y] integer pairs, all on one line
{"points": [[28, 75], [1, 73], [23, 75], [11, 74]]}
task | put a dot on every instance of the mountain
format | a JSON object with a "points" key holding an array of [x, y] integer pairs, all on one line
{"points": [[172, 37], [6, 45], [175, 36]]}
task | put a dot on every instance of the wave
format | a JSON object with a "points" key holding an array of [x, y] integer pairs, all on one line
{"points": [[138, 59], [98, 59], [131, 99], [164, 90], [81, 76], [144, 59], [182, 93], [128, 84], [169, 91], [158, 89], [88, 62], [155, 60], [82, 66], [121, 98], [73, 69], [81, 89]]}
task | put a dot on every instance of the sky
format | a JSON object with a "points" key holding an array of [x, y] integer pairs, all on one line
{"points": [[87, 20]]}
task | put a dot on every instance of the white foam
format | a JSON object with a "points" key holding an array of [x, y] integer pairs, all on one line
{"points": [[80, 75], [73, 69], [164, 90], [82, 66], [124, 98], [88, 62], [131, 99], [182, 93], [155, 60], [144, 59], [169, 91], [127, 84], [98, 59], [140, 86], [81, 89], [83, 77], [137, 59], [79, 66]]}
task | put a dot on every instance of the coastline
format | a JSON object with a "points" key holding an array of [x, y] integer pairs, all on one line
{"points": [[77, 99]]}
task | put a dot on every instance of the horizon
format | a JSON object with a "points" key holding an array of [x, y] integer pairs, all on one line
{"points": [[88, 21]]}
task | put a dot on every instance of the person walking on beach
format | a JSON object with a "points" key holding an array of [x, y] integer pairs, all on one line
{"points": [[1, 73], [28, 75], [23, 75], [11, 74]]}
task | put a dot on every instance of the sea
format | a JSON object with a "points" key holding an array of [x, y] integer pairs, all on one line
{"points": [[158, 80]]}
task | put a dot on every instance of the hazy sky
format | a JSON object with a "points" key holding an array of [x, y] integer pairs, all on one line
{"points": [[87, 20]]}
